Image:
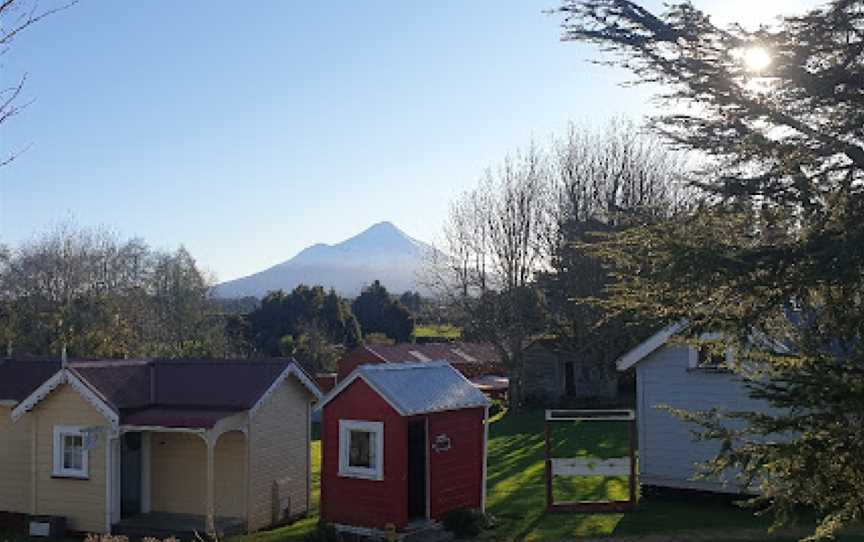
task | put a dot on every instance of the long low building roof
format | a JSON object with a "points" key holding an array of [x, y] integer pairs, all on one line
{"points": [[158, 392]]}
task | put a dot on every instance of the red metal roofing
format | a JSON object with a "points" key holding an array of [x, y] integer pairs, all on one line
{"points": [[454, 353]]}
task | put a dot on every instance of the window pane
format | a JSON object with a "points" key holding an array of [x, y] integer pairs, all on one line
{"points": [[73, 452], [711, 356], [360, 449]]}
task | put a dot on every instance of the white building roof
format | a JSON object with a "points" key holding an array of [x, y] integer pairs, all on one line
{"points": [[416, 388], [647, 347]]}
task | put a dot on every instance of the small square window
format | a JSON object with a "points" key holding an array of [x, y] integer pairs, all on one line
{"points": [[70, 456], [361, 449]]}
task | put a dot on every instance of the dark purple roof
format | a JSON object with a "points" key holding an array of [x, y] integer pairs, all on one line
{"points": [[20, 378], [214, 384], [124, 384], [170, 393]]}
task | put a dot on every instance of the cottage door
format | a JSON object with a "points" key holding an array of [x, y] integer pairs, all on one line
{"points": [[569, 379], [417, 470], [130, 475]]}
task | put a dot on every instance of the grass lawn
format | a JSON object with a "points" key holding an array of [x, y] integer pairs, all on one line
{"points": [[517, 496], [444, 332]]}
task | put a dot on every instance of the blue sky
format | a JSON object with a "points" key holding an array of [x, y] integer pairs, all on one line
{"points": [[247, 131]]}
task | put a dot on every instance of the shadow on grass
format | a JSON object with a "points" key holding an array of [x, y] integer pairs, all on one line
{"points": [[517, 486]]}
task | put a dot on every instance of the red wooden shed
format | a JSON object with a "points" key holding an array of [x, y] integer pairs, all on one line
{"points": [[402, 442]]}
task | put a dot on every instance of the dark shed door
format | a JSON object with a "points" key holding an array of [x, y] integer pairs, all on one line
{"points": [[417, 470], [130, 474], [569, 378]]}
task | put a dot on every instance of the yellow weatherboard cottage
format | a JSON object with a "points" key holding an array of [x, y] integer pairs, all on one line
{"points": [[156, 446]]}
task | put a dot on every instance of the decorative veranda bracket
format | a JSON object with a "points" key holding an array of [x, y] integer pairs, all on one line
{"points": [[583, 466]]}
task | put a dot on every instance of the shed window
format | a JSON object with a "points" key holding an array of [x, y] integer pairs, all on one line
{"points": [[70, 456], [712, 357], [361, 449]]}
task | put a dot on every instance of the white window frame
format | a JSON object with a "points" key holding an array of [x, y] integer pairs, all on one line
{"points": [[61, 431], [347, 471]]}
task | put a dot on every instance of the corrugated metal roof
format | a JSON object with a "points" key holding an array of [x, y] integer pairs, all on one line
{"points": [[455, 352], [418, 388]]}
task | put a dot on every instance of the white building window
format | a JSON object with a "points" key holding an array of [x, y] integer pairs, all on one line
{"points": [[361, 449], [70, 455]]}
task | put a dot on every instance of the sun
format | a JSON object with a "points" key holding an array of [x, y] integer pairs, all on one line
{"points": [[756, 59]]}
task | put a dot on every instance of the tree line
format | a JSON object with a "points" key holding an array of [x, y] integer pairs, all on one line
{"points": [[95, 295], [91, 294]]}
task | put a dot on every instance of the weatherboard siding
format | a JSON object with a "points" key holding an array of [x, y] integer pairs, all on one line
{"points": [[279, 457], [544, 379], [356, 501], [82, 502], [668, 453], [230, 472], [15, 465], [456, 475], [178, 470]]}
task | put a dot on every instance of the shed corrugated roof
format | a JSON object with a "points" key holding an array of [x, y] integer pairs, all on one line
{"points": [[418, 388]]}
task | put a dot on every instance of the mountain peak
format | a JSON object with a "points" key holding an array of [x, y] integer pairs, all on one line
{"points": [[381, 251], [383, 228]]}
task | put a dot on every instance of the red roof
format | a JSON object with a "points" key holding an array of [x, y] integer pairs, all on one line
{"points": [[456, 353]]}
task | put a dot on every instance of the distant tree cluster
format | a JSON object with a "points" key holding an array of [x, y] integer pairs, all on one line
{"points": [[308, 323], [316, 326], [100, 296]]}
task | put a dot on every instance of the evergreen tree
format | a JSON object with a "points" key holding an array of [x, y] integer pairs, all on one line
{"points": [[378, 312], [609, 180], [283, 315], [777, 249]]}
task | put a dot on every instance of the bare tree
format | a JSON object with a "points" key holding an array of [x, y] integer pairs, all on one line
{"points": [[87, 290], [514, 261], [607, 180], [15, 17], [495, 241]]}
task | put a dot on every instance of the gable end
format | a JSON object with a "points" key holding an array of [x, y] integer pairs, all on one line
{"points": [[65, 376]]}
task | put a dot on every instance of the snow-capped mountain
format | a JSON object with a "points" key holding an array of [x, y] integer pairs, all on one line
{"points": [[382, 252]]}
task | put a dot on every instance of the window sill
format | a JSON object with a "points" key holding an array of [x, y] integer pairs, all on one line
{"points": [[82, 477], [373, 476], [715, 370]]}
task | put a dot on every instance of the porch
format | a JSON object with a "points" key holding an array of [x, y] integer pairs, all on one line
{"points": [[181, 526], [179, 482]]}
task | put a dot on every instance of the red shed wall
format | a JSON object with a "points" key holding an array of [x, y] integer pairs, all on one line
{"points": [[352, 359], [353, 501], [456, 476]]}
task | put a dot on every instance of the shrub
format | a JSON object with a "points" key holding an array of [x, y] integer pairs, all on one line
{"points": [[324, 532], [497, 407], [465, 522]]}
